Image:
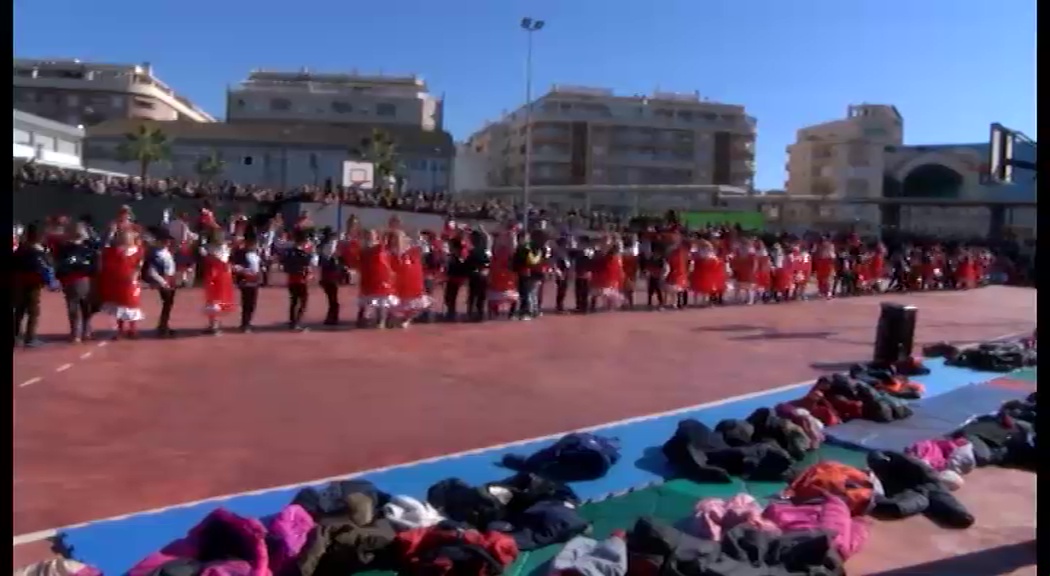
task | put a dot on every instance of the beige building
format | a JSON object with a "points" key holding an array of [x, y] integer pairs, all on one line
{"points": [[307, 96], [845, 159], [84, 93], [590, 136]]}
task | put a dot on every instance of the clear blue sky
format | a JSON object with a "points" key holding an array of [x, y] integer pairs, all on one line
{"points": [[950, 66]]}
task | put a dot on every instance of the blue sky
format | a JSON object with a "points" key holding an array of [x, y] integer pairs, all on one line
{"points": [[950, 66]]}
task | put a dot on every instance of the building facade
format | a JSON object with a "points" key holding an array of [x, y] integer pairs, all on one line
{"points": [[624, 200], [862, 156], [306, 96], [84, 93], [47, 141], [587, 136], [278, 156], [470, 169]]}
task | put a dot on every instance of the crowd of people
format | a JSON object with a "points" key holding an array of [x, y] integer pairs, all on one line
{"points": [[408, 200], [402, 276]]}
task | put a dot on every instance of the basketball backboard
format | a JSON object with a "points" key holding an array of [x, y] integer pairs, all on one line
{"points": [[358, 174], [1000, 154]]}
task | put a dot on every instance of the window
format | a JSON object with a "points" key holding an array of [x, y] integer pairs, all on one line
{"points": [[856, 188], [386, 109], [144, 104], [686, 115], [247, 160], [241, 103], [73, 100], [280, 104], [22, 137], [342, 107], [117, 102]]}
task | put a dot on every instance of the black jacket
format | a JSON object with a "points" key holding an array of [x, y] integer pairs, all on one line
{"points": [[911, 487], [656, 548], [701, 454], [75, 258]]}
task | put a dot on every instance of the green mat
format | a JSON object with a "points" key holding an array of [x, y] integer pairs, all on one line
{"points": [[1024, 374], [669, 502]]}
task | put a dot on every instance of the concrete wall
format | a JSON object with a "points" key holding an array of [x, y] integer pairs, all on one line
{"points": [[266, 165], [36, 202]]}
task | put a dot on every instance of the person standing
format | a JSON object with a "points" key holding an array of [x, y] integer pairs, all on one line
{"points": [[298, 263], [120, 269], [333, 271], [32, 272], [217, 274], [161, 272], [248, 265], [76, 263]]}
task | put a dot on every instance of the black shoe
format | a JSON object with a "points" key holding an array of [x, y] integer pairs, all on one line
{"points": [[34, 343]]}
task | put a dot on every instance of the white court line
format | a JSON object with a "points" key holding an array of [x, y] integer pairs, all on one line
{"points": [[86, 355], [63, 368], [52, 532], [30, 382]]}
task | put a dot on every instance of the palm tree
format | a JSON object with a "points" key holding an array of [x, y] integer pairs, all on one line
{"points": [[146, 145], [211, 166], [380, 150]]}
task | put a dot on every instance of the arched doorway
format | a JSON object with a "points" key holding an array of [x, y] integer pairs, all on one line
{"points": [[932, 181]]}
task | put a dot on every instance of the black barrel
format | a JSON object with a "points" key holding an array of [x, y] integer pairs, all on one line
{"points": [[895, 335]]}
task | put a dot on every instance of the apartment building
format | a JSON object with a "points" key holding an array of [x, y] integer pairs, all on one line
{"points": [[844, 158], [353, 98], [84, 93], [592, 136]]}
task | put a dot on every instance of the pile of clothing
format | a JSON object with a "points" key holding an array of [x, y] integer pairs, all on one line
{"points": [[763, 447], [877, 395], [351, 526], [988, 357], [1005, 438]]}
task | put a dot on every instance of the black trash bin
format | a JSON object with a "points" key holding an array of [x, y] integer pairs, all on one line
{"points": [[895, 335]]}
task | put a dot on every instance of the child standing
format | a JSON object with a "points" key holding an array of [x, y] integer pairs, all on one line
{"points": [[248, 272], [298, 264], [119, 287], [161, 272], [217, 273]]}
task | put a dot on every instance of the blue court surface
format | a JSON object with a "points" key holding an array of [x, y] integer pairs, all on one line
{"points": [[117, 544]]}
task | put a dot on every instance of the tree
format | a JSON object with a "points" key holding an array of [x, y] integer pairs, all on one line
{"points": [[211, 166], [380, 150], [146, 145]]}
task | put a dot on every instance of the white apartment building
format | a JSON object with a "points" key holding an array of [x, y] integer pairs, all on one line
{"points": [[590, 136], [353, 98], [83, 93], [47, 142]]}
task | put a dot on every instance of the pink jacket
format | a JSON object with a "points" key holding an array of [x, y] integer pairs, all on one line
{"points": [[714, 516], [831, 515]]}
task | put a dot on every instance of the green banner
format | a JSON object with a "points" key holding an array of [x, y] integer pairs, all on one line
{"points": [[753, 221]]}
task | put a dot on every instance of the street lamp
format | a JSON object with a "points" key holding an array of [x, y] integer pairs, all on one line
{"points": [[529, 26]]}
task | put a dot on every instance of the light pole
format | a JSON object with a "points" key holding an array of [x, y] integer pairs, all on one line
{"points": [[529, 26]]}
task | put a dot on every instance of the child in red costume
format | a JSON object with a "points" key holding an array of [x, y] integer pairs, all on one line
{"points": [[607, 282], [763, 271], [119, 287], [824, 268], [707, 280], [743, 265], [217, 274], [677, 283], [503, 281], [378, 282], [410, 281]]}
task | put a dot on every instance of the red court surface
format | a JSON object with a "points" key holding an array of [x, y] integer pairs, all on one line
{"points": [[129, 426]]}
